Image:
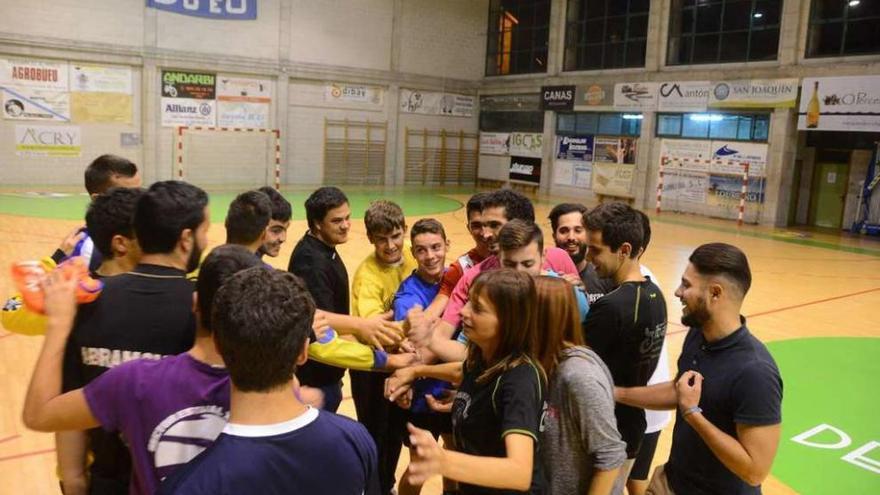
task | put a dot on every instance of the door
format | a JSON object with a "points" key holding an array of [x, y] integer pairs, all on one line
{"points": [[829, 194]]}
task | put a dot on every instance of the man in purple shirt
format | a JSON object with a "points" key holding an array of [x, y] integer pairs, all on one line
{"points": [[167, 410]]}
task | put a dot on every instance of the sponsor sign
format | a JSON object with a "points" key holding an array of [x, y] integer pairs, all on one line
{"points": [[690, 154], [725, 189], [97, 79], [192, 85], [352, 93], [613, 179], [243, 102], [557, 97], [431, 103], [577, 148], [635, 95], [47, 141], [685, 185], [236, 10], [530, 102], [188, 111], [101, 107], [34, 74], [527, 144], [754, 93], [525, 169], [615, 150], [683, 96], [24, 103], [840, 104], [594, 95], [575, 174], [495, 143], [738, 152]]}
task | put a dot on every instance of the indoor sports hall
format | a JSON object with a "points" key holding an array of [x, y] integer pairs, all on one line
{"points": [[750, 122]]}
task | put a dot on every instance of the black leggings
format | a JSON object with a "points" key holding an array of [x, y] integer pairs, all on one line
{"points": [[642, 465]]}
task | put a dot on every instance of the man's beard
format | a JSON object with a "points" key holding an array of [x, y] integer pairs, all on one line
{"points": [[696, 317], [194, 258], [578, 257]]}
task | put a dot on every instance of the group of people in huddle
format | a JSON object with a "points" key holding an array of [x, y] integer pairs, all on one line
{"points": [[532, 365]]}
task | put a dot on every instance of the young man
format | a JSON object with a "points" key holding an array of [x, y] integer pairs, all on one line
{"points": [[315, 260], [279, 222], [146, 312], [373, 288], [167, 410], [273, 443], [499, 208], [247, 219], [625, 327], [104, 172], [480, 251], [569, 234], [725, 437]]}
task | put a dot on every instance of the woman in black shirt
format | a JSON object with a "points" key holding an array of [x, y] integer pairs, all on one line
{"points": [[496, 414]]}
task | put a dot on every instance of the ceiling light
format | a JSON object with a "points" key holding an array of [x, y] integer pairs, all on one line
{"points": [[758, 15], [705, 117], [633, 116], [854, 3]]}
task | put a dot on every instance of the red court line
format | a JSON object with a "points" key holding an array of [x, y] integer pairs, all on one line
{"points": [[11, 437], [820, 301], [26, 454]]}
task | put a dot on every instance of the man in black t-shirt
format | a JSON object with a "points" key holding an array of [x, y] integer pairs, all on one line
{"points": [[725, 435], [625, 327], [145, 313], [569, 234]]}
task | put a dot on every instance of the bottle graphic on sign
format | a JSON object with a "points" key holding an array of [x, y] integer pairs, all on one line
{"points": [[813, 108]]}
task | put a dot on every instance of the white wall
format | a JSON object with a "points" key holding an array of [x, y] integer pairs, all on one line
{"points": [[444, 39], [98, 21]]}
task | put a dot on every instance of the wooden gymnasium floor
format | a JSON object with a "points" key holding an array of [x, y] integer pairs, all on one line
{"points": [[805, 285]]}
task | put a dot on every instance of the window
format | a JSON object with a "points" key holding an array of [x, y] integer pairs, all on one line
{"points": [[604, 123], [721, 31], [518, 34], [843, 27], [605, 34], [729, 126], [512, 121]]}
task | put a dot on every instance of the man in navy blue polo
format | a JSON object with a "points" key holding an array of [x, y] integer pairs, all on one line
{"points": [[725, 435]]}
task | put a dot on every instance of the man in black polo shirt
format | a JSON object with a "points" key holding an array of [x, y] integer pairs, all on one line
{"points": [[725, 437], [145, 313], [569, 234], [626, 326]]}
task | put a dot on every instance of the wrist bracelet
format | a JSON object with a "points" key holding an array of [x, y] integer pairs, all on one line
{"points": [[687, 412]]}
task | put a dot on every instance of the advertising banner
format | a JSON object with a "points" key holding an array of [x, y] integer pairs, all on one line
{"points": [[242, 114], [23, 103], [525, 169], [230, 10], [738, 152], [683, 96], [725, 189], [98, 79], [754, 93], [594, 95], [613, 179], [495, 143], [188, 111], [635, 96], [101, 107], [577, 148], [557, 97], [615, 150], [192, 85], [243, 102], [572, 173], [840, 104], [685, 185], [527, 144], [690, 154], [47, 141], [431, 103], [353, 93], [34, 74], [233, 88]]}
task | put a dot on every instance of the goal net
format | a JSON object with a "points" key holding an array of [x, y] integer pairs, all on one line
{"points": [[227, 157]]}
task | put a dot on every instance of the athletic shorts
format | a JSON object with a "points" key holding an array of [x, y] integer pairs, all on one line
{"points": [[642, 465]]}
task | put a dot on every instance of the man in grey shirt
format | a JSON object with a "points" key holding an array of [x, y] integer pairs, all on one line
{"points": [[580, 443]]}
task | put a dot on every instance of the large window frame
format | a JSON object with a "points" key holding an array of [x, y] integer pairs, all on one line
{"points": [[748, 127], [599, 124], [843, 22], [723, 31], [518, 36], [606, 34]]}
